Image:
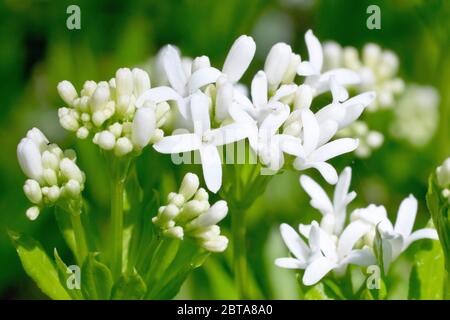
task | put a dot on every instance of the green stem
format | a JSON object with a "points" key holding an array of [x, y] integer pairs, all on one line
{"points": [[447, 286], [239, 253], [117, 224], [80, 236]]}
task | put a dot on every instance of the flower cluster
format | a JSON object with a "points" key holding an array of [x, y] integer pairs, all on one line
{"points": [[377, 68], [188, 213], [332, 245], [369, 140], [275, 117], [109, 111], [443, 178], [53, 175], [416, 115]]}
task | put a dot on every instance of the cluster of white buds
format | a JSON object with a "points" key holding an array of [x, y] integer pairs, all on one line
{"points": [[53, 173], [443, 178], [416, 115], [189, 214], [377, 68], [108, 110], [369, 140]]}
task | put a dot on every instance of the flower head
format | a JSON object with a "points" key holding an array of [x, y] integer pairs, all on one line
{"points": [[53, 176]]}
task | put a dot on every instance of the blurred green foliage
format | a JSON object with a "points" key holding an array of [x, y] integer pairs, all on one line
{"points": [[38, 51]]}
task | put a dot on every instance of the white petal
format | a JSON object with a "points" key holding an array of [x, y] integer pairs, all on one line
{"points": [[200, 112], [310, 131], [174, 69], [328, 129], [350, 115], [318, 269], [305, 68], [231, 133], [338, 92], [277, 63], [239, 58], [259, 89], [426, 233], [289, 263], [360, 257], [274, 120], [327, 171], [290, 145], [294, 243], [284, 91], [202, 77], [351, 234], [224, 98], [364, 99], [157, 95], [239, 114], [406, 216], [178, 143], [341, 190], [212, 167], [319, 198], [333, 149], [315, 53]]}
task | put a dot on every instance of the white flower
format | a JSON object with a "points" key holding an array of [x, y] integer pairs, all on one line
{"points": [[315, 155], [312, 68], [324, 252], [280, 65], [396, 238], [205, 140], [334, 212]]}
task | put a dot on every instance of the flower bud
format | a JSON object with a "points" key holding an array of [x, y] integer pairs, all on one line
{"points": [[371, 55], [168, 213], [82, 133], [49, 160], [67, 92], [53, 193], [124, 82], [199, 63], [70, 170], [99, 98], [443, 174], [38, 137], [224, 98], [88, 88], [332, 52], [291, 70], [32, 190], [207, 233], [174, 232], [201, 195], [277, 63], [218, 244], [69, 122], [123, 146], [72, 188], [105, 140], [32, 213], [115, 129], [190, 210], [29, 158], [189, 185], [351, 58], [50, 176], [216, 213], [239, 58], [144, 124], [141, 81], [374, 139], [303, 97]]}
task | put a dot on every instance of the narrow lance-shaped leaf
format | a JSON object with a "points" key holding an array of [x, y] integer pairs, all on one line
{"points": [[38, 266]]}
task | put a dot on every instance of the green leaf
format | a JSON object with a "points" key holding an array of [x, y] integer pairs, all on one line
{"points": [[96, 279], [129, 287], [38, 266], [64, 273], [318, 292], [427, 275], [374, 294]]}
